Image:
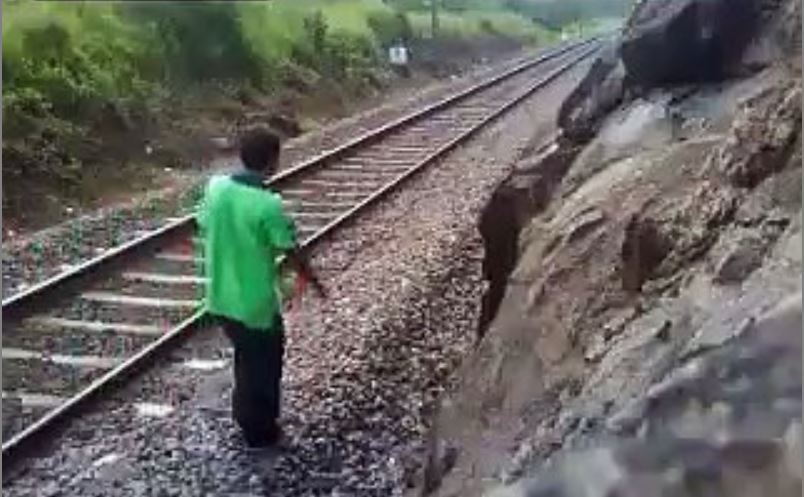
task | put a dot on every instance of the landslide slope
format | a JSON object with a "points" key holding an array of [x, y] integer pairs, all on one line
{"points": [[646, 338]]}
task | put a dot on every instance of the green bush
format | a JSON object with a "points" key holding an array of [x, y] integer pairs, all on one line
{"points": [[66, 59], [198, 42]]}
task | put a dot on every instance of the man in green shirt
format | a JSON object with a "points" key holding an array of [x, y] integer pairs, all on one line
{"points": [[245, 230]]}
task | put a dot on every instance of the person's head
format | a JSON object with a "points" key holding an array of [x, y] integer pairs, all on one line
{"points": [[259, 150]]}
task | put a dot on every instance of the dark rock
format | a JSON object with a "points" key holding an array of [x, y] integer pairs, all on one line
{"points": [[670, 42], [702, 467], [643, 249], [663, 333], [600, 91], [283, 123]]}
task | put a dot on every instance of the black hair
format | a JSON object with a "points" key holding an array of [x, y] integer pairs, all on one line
{"points": [[259, 150]]}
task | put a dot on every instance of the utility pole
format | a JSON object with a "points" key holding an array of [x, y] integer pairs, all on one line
{"points": [[434, 17]]}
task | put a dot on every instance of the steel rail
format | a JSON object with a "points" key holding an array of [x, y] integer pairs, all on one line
{"points": [[444, 149], [31, 438], [27, 301]]}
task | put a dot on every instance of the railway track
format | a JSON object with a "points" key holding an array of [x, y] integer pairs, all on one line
{"points": [[70, 338]]}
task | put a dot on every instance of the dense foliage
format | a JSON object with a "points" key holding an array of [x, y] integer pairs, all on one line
{"points": [[66, 58]]}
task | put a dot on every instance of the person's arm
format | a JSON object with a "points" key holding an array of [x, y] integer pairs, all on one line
{"points": [[283, 238]]}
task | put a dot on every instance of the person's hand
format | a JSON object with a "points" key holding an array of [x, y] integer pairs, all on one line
{"points": [[300, 285], [305, 273], [298, 290]]}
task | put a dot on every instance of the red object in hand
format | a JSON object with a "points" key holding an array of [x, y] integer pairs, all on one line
{"points": [[298, 288]]}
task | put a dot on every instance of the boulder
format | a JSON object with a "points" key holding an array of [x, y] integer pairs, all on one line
{"points": [[600, 91], [668, 42]]}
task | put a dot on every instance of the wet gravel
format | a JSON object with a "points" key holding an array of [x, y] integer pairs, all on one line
{"points": [[33, 258], [363, 367]]}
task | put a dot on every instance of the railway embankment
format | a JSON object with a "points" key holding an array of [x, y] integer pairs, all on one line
{"points": [[641, 334]]}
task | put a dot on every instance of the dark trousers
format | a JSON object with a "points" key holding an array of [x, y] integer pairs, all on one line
{"points": [[258, 356]]}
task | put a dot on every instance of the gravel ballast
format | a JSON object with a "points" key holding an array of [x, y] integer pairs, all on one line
{"points": [[362, 368]]}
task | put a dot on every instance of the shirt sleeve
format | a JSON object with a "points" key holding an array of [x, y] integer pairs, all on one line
{"points": [[278, 226]]}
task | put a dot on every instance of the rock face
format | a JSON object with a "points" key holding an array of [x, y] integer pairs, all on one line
{"points": [[635, 344], [685, 41]]}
